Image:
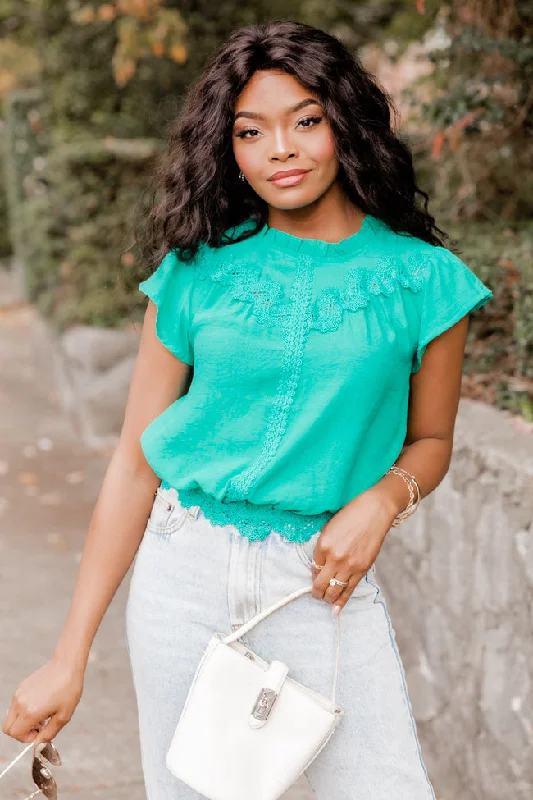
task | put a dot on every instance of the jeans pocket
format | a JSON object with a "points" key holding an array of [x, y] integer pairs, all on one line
{"points": [[305, 550], [167, 515]]}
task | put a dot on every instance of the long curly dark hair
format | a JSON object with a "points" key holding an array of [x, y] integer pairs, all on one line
{"points": [[195, 192]]}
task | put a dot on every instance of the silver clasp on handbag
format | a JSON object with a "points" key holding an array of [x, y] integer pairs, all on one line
{"points": [[263, 704], [273, 679]]}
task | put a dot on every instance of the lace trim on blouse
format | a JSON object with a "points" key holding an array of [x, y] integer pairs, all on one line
{"points": [[360, 285], [293, 319], [326, 312], [255, 521]]}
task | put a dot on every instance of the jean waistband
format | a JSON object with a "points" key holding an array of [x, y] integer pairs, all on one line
{"points": [[253, 520]]}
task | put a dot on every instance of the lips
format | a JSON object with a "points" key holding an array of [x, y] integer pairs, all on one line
{"points": [[287, 173]]}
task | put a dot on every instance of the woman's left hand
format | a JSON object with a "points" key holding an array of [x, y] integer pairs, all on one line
{"points": [[348, 546]]}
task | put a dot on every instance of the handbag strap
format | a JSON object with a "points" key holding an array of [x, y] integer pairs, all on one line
{"points": [[236, 634]]}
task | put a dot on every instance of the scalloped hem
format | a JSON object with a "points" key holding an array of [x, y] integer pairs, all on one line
{"points": [[255, 522]]}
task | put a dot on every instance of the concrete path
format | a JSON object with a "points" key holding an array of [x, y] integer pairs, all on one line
{"points": [[48, 487]]}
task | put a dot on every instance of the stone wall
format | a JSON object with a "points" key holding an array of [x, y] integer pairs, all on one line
{"points": [[88, 372], [458, 580]]}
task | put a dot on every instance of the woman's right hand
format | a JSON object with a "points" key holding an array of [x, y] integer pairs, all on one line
{"points": [[44, 702]]}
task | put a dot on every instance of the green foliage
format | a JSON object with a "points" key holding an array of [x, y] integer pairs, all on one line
{"points": [[483, 112], [19, 69], [17, 21], [502, 256], [84, 264], [406, 25], [24, 143], [83, 98], [480, 93], [142, 27], [5, 235]]}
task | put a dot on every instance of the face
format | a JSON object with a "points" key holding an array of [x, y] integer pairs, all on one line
{"points": [[283, 142]]}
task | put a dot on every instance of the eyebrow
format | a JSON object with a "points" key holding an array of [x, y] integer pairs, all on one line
{"points": [[302, 104]]}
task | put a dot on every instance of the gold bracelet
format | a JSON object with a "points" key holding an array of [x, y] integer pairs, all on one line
{"points": [[396, 471], [410, 477], [406, 511], [411, 507]]}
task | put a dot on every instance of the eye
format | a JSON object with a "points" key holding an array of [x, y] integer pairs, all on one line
{"points": [[243, 134], [309, 122]]}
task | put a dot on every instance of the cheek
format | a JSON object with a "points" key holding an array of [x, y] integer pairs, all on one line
{"points": [[321, 149], [246, 159]]}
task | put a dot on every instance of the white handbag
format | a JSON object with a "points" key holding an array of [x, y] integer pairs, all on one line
{"points": [[247, 730]]}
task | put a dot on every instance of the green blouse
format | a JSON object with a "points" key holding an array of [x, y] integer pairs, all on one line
{"points": [[302, 354]]}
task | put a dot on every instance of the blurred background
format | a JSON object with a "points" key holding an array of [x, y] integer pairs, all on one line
{"points": [[87, 90]]}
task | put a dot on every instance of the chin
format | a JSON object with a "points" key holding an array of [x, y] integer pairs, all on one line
{"points": [[291, 204]]}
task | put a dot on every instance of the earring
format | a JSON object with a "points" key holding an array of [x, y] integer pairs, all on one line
{"points": [[241, 175]]}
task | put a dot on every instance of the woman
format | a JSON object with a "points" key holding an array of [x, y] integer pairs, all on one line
{"points": [[326, 324]]}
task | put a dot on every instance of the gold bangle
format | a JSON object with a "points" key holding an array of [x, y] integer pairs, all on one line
{"points": [[411, 477], [407, 512], [399, 517], [411, 507]]}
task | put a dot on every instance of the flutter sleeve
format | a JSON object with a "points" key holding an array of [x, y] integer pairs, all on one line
{"points": [[170, 288], [450, 291]]}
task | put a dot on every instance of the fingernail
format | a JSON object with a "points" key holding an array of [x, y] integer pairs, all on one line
{"points": [[335, 610]]}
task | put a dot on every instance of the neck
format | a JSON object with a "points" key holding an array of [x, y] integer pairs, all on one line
{"points": [[331, 218]]}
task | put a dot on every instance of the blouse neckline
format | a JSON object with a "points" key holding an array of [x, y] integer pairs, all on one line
{"points": [[294, 245]]}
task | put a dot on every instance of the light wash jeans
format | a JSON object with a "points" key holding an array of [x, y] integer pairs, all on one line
{"points": [[192, 578]]}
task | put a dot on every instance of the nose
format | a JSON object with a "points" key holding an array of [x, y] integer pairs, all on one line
{"points": [[283, 148]]}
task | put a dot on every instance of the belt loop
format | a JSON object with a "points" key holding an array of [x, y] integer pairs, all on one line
{"points": [[194, 511]]}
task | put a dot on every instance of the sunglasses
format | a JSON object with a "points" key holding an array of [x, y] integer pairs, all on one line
{"points": [[42, 776]]}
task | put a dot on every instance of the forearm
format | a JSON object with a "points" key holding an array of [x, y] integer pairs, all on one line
{"points": [[115, 532], [427, 460]]}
